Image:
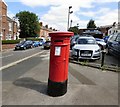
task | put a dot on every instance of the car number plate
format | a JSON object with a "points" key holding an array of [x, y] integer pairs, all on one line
{"points": [[85, 54], [17, 47]]}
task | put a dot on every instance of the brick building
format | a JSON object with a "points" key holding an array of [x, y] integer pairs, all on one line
{"points": [[44, 30], [104, 29], [8, 26], [3, 19], [12, 29]]}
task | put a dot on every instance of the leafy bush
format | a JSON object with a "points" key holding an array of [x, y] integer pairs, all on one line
{"points": [[10, 41]]}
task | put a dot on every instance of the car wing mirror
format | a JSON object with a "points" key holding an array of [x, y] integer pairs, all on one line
{"points": [[74, 42]]}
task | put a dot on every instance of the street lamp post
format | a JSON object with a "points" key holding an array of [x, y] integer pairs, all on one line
{"points": [[69, 12], [71, 23]]}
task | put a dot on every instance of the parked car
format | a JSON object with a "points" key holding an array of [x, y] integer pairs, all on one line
{"points": [[106, 38], [36, 43], [73, 40], [87, 48], [24, 45], [101, 43], [113, 45], [47, 44], [41, 42]]}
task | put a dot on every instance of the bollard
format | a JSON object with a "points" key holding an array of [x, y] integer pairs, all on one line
{"points": [[103, 57], [59, 59], [77, 55]]}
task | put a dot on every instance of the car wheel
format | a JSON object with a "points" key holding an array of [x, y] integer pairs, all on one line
{"points": [[107, 51], [32, 46], [24, 48]]}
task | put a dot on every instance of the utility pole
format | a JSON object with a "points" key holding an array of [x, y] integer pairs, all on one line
{"points": [[69, 12], [71, 23]]}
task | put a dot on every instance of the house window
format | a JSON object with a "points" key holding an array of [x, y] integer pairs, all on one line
{"points": [[10, 26], [8, 37], [110, 32]]}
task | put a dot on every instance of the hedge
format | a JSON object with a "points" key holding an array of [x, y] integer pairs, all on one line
{"points": [[34, 39], [17, 41], [10, 41]]}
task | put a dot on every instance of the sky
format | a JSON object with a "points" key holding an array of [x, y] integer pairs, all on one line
{"points": [[55, 12]]}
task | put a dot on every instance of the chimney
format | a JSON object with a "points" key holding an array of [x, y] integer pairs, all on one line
{"points": [[46, 26], [54, 29], [41, 24], [51, 28]]}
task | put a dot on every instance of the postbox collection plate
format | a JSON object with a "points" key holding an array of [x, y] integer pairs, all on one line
{"points": [[57, 51]]}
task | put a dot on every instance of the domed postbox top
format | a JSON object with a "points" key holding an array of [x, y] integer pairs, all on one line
{"points": [[61, 34]]}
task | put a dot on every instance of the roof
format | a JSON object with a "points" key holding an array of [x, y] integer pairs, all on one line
{"points": [[8, 18], [4, 2]]}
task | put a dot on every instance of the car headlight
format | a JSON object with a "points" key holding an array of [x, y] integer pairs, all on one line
{"points": [[97, 50], [74, 49], [22, 46]]}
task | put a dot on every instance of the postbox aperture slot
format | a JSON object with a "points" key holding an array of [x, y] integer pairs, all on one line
{"points": [[58, 41]]}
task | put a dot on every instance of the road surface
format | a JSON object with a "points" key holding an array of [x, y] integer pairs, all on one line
{"points": [[26, 84]]}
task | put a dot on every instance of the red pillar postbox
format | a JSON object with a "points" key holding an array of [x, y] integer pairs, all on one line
{"points": [[59, 58]]}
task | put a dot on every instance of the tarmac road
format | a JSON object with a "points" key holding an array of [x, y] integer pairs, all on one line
{"points": [[12, 56], [26, 84]]}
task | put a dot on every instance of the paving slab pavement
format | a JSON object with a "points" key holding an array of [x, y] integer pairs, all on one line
{"points": [[35, 94], [86, 86]]}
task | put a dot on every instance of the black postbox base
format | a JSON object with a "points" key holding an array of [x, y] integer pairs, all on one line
{"points": [[56, 88]]}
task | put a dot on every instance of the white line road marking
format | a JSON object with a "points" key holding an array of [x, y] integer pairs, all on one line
{"points": [[44, 55], [45, 58], [16, 62], [6, 56]]}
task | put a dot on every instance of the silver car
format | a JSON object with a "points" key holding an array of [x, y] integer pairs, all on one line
{"points": [[86, 48], [101, 43]]}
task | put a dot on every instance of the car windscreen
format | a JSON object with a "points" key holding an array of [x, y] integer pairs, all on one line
{"points": [[22, 42], [118, 38], [47, 41], [86, 41], [41, 40]]}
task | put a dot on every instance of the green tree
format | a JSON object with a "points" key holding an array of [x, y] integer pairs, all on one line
{"points": [[91, 24], [74, 29], [29, 24]]}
